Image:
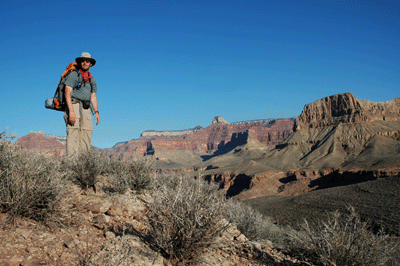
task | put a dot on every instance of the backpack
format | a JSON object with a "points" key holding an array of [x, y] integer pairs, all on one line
{"points": [[58, 102]]}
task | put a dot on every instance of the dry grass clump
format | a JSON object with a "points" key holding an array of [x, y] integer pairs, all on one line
{"points": [[133, 174], [85, 170], [184, 216], [252, 223], [30, 185], [344, 239], [117, 251]]}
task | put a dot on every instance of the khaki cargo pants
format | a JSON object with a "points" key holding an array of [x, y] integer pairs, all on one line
{"points": [[79, 136]]}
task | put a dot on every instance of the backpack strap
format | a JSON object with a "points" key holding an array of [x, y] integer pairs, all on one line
{"points": [[78, 84]]}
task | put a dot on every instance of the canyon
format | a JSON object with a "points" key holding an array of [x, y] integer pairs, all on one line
{"points": [[338, 142], [184, 149], [336, 134]]}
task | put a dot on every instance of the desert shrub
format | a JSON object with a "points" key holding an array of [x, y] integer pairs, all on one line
{"points": [[85, 170], [133, 174], [6, 136], [119, 182], [139, 173], [184, 216], [116, 167], [121, 251], [30, 186], [252, 223], [344, 239], [102, 161]]}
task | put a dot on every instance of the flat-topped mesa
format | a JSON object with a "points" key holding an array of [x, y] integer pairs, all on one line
{"points": [[262, 121], [169, 134], [220, 121], [217, 121], [345, 108]]}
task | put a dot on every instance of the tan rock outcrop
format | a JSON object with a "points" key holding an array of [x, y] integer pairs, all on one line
{"points": [[337, 140], [345, 108]]}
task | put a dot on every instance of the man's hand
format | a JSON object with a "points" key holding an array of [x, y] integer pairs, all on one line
{"points": [[97, 118], [93, 100], [72, 118], [71, 114]]}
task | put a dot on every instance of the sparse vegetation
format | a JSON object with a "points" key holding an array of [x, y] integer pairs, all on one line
{"points": [[133, 174], [30, 186], [85, 170], [252, 223], [184, 216], [343, 240]]}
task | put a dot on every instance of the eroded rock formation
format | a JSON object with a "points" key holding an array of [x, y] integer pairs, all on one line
{"points": [[337, 140], [342, 131], [191, 148], [47, 145], [169, 134], [345, 108]]}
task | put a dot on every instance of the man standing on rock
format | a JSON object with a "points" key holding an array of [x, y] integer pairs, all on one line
{"points": [[80, 92]]}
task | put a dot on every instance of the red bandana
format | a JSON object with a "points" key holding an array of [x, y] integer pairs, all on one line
{"points": [[86, 75]]}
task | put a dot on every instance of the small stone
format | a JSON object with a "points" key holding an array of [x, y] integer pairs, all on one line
{"points": [[114, 211], [23, 232], [101, 219], [241, 238], [109, 235], [98, 207], [33, 262], [72, 242], [32, 250]]}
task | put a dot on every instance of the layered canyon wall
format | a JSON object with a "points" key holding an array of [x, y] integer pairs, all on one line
{"points": [[200, 141]]}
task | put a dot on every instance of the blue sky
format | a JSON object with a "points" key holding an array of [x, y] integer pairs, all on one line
{"points": [[173, 65]]}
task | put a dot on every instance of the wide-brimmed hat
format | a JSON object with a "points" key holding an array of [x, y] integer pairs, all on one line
{"points": [[87, 56]]}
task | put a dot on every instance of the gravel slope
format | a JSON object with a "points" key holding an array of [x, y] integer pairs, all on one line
{"points": [[377, 201]]}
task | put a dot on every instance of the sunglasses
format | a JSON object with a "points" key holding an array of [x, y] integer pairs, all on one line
{"points": [[85, 60]]}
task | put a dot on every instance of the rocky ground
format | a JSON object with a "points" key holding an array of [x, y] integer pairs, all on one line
{"points": [[95, 228], [377, 201]]}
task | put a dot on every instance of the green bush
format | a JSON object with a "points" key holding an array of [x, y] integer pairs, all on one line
{"points": [[30, 186], [184, 216], [343, 240]]}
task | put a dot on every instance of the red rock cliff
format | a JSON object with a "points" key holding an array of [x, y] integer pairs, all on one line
{"points": [[206, 140]]}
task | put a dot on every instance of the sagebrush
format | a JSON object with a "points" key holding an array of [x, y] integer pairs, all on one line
{"points": [[184, 216], [251, 223], [132, 174], [85, 170], [30, 185], [343, 239]]}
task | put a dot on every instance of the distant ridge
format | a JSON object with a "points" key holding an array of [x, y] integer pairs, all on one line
{"points": [[189, 147], [216, 120], [169, 133]]}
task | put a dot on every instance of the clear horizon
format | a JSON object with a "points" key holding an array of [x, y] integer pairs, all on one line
{"points": [[174, 65]]}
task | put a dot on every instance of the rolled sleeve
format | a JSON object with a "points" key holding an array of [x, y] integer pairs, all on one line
{"points": [[71, 79], [94, 85]]}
